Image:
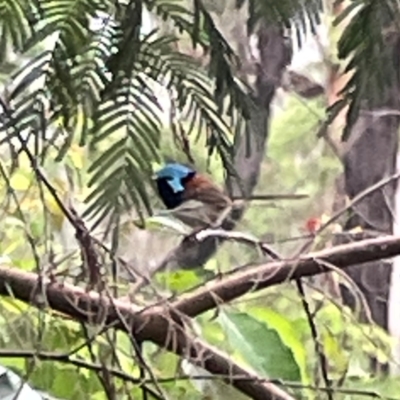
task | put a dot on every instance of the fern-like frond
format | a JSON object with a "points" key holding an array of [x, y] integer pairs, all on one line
{"points": [[370, 45], [66, 21], [129, 107], [126, 135], [93, 77], [302, 16], [64, 27], [25, 98], [229, 93], [16, 17], [99, 84], [192, 95]]}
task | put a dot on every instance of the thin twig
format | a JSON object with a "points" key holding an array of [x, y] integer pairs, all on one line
{"points": [[108, 385], [357, 199], [319, 350]]}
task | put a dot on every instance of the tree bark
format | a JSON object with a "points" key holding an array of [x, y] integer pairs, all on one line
{"points": [[394, 292], [370, 156]]}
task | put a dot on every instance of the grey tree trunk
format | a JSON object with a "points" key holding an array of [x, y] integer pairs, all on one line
{"points": [[371, 156], [394, 291]]}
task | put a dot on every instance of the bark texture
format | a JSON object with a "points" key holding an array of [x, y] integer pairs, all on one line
{"points": [[370, 155]]}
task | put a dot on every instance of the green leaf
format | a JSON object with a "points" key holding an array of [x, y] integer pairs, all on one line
{"points": [[288, 335], [61, 336], [260, 345]]}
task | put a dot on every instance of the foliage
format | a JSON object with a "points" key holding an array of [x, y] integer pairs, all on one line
{"points": [[86, 87], [93, 66]]}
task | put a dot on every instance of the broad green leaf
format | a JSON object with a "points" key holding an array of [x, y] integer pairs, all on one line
{"points": [[331, 315], [288, 335], [164, 362], [25, 263], [260, 345], [60, 336], [123, 350]]}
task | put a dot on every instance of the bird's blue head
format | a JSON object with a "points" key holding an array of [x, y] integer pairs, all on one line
{"points": [[171, 180]]}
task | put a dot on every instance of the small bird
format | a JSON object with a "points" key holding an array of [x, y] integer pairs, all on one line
{"points": [[192, 197]]}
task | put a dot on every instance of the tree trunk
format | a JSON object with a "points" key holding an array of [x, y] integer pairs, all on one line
{"points": [[371, 155], [274, 56], [394, 291]]}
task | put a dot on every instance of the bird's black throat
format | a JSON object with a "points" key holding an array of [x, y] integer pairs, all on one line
{"points": [[170, 198]]}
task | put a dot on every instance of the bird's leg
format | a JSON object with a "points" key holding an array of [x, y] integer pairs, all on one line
{"points": [[222, 217]]}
